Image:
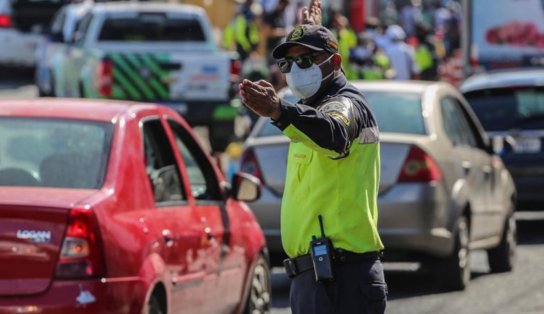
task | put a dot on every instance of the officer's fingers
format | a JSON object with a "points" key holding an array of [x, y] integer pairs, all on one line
{"points": [[264, 84], [305, 15], [246, 84], [255, 90]]}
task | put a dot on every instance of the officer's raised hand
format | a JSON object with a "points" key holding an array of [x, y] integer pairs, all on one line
{"points": [[261, 98], [312, 13]]}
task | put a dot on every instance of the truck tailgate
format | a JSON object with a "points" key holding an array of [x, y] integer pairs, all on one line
{"points": [[169, 76]]}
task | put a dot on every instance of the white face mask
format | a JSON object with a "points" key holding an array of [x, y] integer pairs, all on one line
{"points": [[306, 82]]}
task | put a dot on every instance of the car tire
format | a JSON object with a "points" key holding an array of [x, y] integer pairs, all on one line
{"points": [[260, 289], [502, 258], [154, 306], [454, 271]]}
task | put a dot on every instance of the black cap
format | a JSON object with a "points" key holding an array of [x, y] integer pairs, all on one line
{"points": [[315, 37]]}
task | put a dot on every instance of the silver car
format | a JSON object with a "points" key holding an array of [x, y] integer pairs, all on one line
{"points": [[443, 190]]}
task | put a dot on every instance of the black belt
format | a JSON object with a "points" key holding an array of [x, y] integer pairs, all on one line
{"points": [[300, 264]]}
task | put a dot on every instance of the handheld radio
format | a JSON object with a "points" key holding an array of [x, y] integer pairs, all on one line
{"points": [[321, 252]]}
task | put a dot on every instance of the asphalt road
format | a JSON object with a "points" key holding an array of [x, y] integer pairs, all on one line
{"points": [[412, 292]]}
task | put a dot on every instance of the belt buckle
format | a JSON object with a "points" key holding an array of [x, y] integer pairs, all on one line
{"points": [[290, 267]]}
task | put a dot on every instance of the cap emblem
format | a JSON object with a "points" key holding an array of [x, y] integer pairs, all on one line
{"points": [[297, 33]]}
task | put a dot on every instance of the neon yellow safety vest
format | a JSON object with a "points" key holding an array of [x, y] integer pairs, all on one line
{"points": [[344, 191], [242, 32], [424, 58], [347, 39]]}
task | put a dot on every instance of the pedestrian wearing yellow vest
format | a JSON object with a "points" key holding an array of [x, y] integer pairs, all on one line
{"points": [[368, 61], [425, 53], [242, 34], [329, 214], [347, 40]]}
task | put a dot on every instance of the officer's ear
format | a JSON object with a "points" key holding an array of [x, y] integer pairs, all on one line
{"points": [[336, 61]]}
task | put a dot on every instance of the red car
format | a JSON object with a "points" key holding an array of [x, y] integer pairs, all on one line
{"points": [[114, 207]]}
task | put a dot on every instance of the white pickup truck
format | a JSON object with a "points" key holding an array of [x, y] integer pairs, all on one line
{"points": [[22, 24], [154, 52]]}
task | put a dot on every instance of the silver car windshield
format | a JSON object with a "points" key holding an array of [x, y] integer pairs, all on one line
{"points": [[395, 112], [53, 152]]}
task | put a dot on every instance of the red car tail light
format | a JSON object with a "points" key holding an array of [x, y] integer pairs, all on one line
{"points": [[250, 164], [235, 68], [81, 253], [105, 78], [419, 167], [5, 21]]}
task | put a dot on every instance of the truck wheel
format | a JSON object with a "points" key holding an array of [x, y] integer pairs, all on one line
{"points": [[220, 134], [502, 258], [454, 270], [81, 90], [260, 290], [42, 93]]}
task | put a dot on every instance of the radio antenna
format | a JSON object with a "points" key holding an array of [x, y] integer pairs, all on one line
{"points": [[321, 225]]}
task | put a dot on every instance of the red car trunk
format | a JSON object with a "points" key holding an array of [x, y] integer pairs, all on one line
{"points": [[31, 236]]}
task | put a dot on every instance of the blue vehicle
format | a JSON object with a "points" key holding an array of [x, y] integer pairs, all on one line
{"points": [[510, 105]]}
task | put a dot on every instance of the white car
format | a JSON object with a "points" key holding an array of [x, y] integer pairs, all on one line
{"points": [[56, 42], [22, 24]]}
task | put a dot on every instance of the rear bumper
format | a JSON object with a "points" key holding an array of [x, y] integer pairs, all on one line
{"points": [[18, 49], [111, 296], [414, 219]]}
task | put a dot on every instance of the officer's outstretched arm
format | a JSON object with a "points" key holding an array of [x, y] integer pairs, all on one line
{"points": [[330, 129]]}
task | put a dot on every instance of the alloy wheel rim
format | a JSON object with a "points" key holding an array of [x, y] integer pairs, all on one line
{"points": [[260, 294], [464, 253]]}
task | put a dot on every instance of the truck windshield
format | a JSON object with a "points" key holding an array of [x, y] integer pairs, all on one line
{"points": [[151, 27]]}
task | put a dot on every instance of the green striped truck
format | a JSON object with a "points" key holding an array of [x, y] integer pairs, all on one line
{"points": [[152, 52]]}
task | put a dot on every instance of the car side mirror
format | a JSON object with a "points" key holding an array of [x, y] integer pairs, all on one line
{"points": [[502, 144], [245, 187]]}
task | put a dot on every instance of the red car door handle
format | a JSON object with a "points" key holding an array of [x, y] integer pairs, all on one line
{"points": [[168, 238]]}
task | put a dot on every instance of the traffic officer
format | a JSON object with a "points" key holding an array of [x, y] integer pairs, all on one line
{"points": [[332, 178]]}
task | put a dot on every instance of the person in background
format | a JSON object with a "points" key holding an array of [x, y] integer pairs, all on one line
{"points": [[425, 53], [274, 28], [401, 54], [347, 39], [368, 61], [241, 34], [329, 211], [389, 15], [410, 14], [374, 30]]}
